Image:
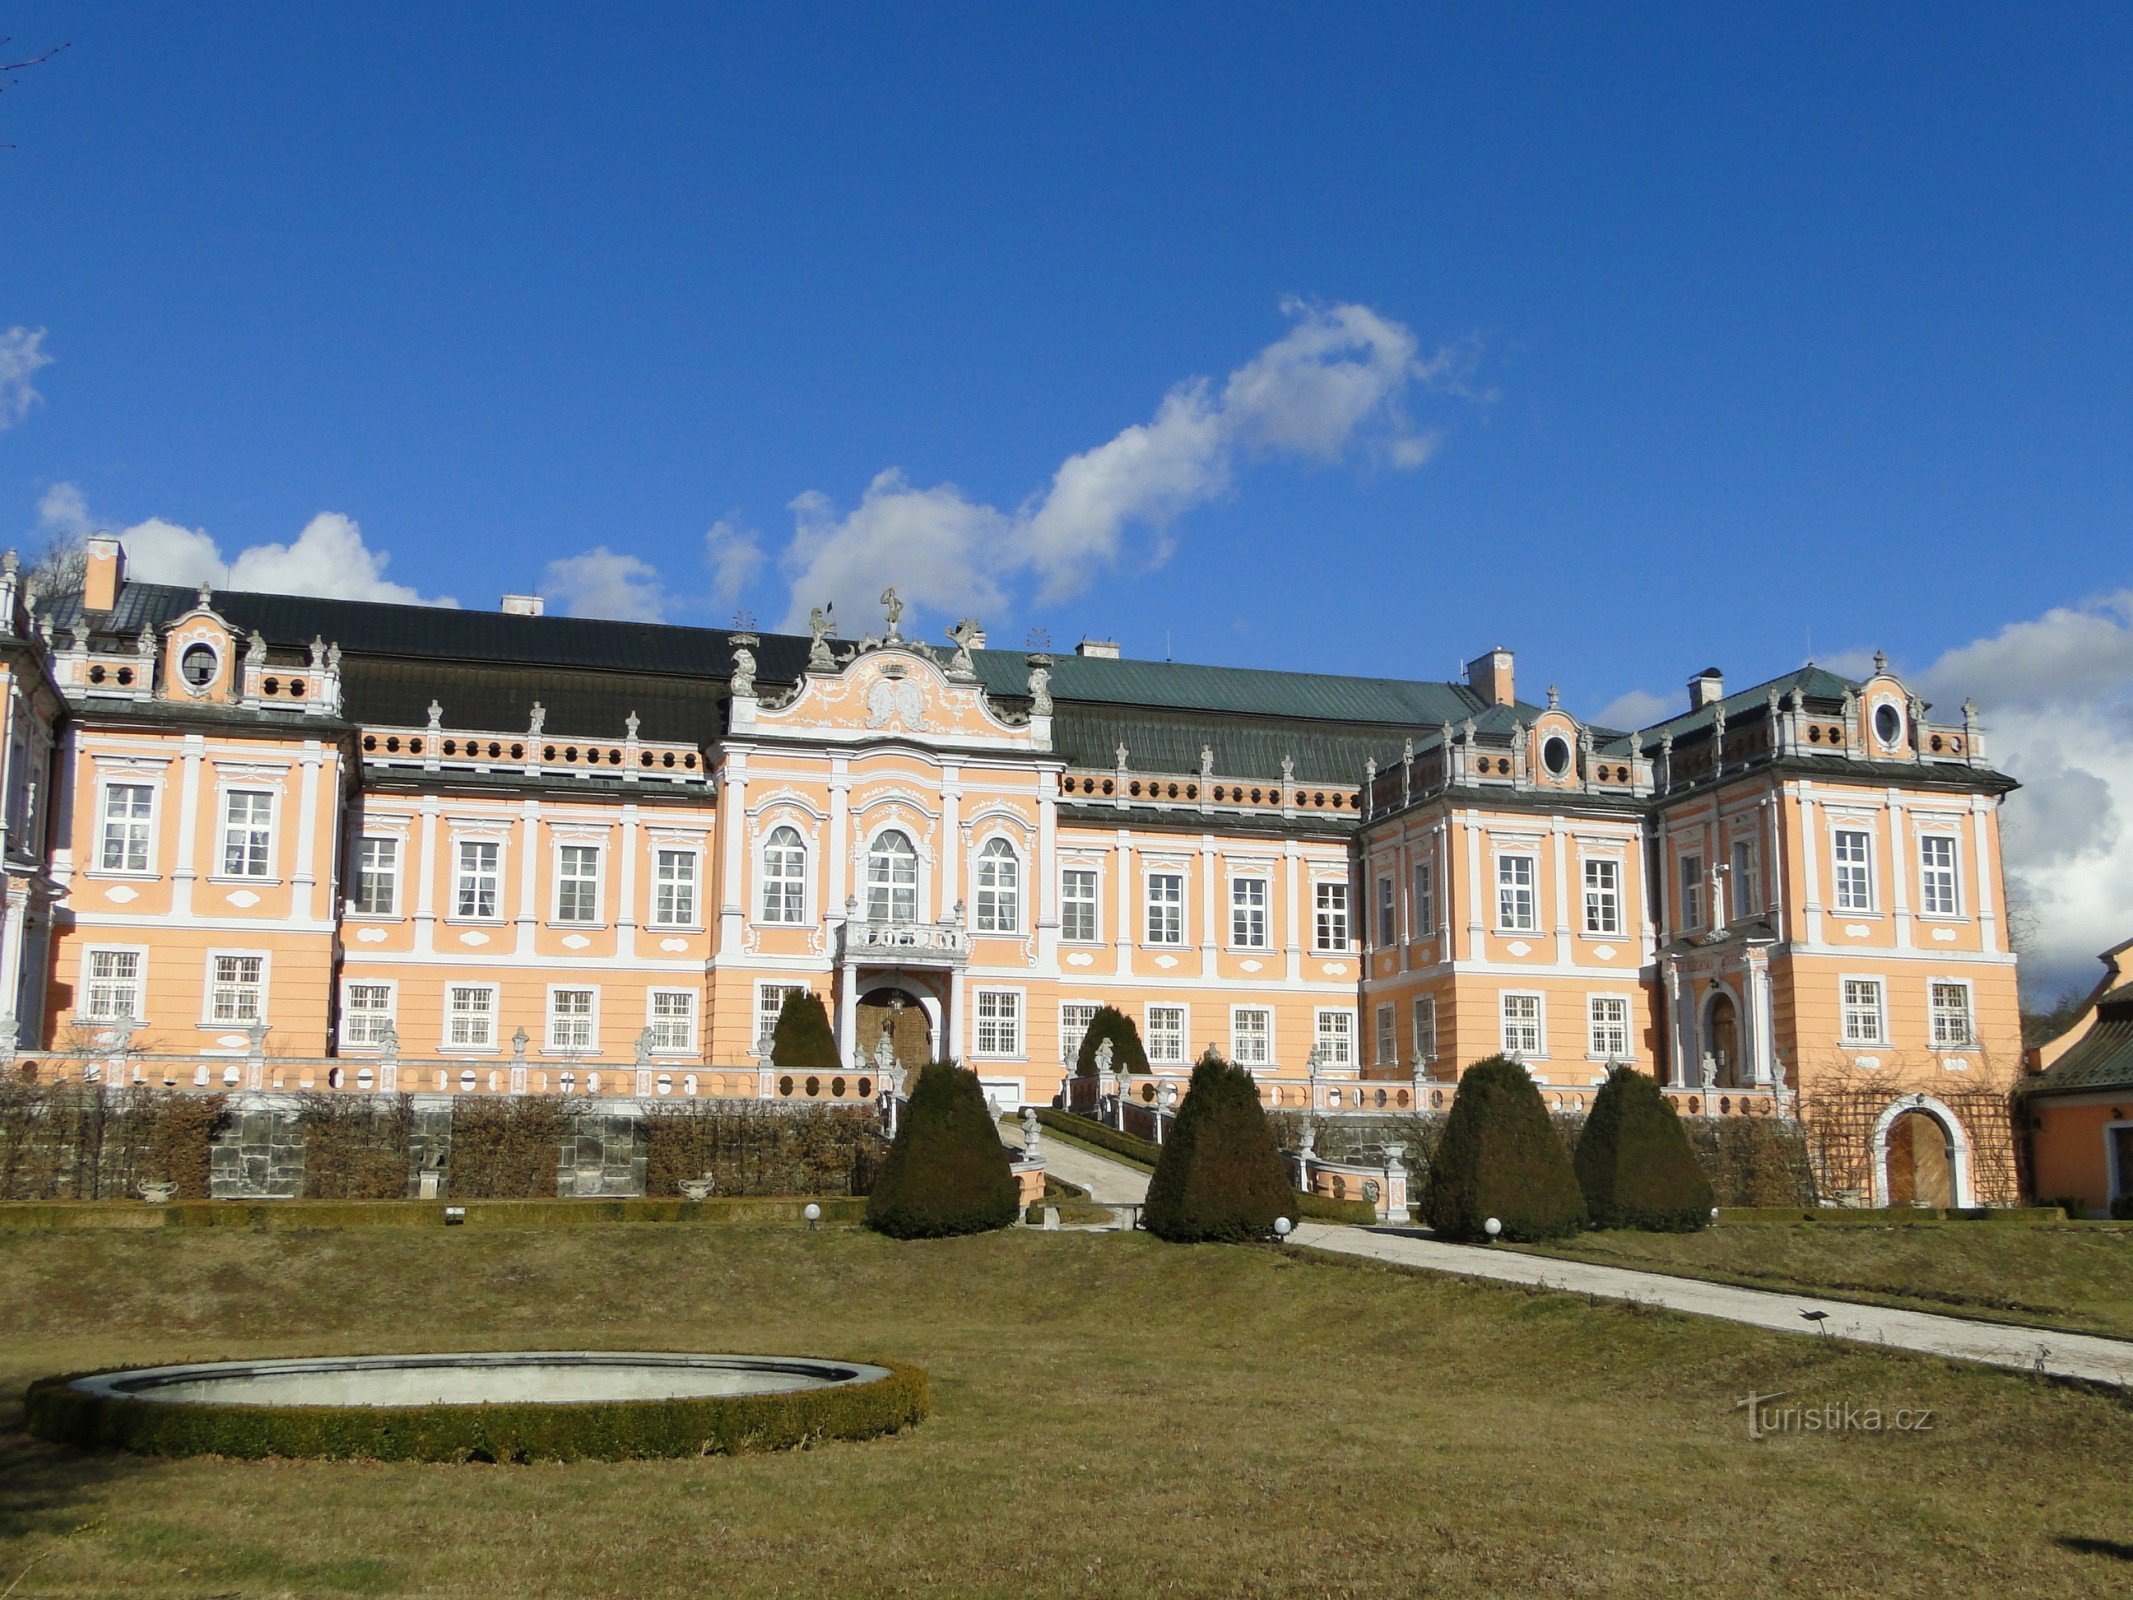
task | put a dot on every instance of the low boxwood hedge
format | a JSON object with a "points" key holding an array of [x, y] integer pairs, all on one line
{"points": [[1324, 1208], [608, 1431], [1141, 1152], [741, 1211]]}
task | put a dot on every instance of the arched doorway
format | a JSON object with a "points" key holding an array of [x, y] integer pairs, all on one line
{"points": [[1920, 1161], [1721, 1040], [900, 1013]]}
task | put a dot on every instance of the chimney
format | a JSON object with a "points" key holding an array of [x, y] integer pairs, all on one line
{"points": [[1707, 688], [1489, 676], [524, 605], [1102, 649], [105, 573]]}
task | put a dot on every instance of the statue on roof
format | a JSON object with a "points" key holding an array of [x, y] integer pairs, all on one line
{"points": [[893, 609], [819, 622], [1040, 686], [540, 720], [965, 635], [743, 682]]}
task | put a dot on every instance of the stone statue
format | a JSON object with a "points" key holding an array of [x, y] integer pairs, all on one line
{"points": [[885, 1050], [1710, 1070], [893, 609], [1032, 1132], [630, 725], [318, 654], [644, 1046], [1207, 762], [818, 632], [743, 683], [540, 720], [1040, 685], [965, 635], [1104, 1052], [333, 656], [436, 716], [146, 644]]}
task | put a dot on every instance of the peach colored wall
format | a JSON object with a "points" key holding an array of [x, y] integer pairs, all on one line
{"points": [[2068, 1151]]}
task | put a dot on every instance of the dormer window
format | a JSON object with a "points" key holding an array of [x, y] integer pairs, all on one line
{"points": [[1888, 725], [198, 665], [1555, 756]]}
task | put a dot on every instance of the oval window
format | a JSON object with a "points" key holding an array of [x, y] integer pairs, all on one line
{"points": [[1555, 755], [1888, 725], [197, 666]]}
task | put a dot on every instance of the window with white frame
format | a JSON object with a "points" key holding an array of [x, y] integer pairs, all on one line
{"points": [[1388, 1036], [999, 1022], [475, 891], [1516, 908], [1608, 1019], [1166, 1036], [784, 877], [1336, 1038], [570, 1019], [1521, 1026], [892, 878], [1074, 1019], [1425, 899], [1864, 1017], [1854, 853], [671, 1016], [1425, 1025], [366, 1015], [1247, 913], [769, 1001], [1166, 908], [470, 1016], [377, 877], [1329, 920], [1251, 1036], [1938, 895], [577, 883], [129, 809], [1388, 914], [113, 990], [247, 833], [1603, 896], [999, 890], [236, 988], [1951, 1015], [1747, 886], [674, 888], [1692, 891], [1078, 923]]}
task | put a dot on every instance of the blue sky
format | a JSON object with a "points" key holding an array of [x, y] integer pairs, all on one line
{"points": [[1634, 339]]}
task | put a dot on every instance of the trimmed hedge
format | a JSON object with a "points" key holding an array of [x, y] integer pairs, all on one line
{"points": [[1324, 1208], [611, 1431], [509, 1149], [1634, 1163], [356, 1147], [1126, 1146], [730, 1212], [1501, 1157], [1220, 1176], [79, 1141], [947, 1173], [761, 1149], [802, 1038], [1127, 1055]]}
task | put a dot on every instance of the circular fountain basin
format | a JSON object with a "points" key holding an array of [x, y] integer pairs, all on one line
{"points": [[552, 1377]]}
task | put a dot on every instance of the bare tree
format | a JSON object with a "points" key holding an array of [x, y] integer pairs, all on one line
{"points": [[10, 67], [60, 567]]}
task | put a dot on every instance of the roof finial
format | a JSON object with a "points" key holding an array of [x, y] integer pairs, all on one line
{"points": [[1881, 662], [1555, 698], [207, 594]]}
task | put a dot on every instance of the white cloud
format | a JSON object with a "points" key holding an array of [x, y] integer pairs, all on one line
{"points": [[21, 355], [606, 583], [1639, 708], [734, 556], [1333, 383], [328, 559]]}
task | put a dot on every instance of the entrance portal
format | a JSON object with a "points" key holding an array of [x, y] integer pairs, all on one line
{"points": [[1921, 1161], [897, 1011], [1722, 1040]]}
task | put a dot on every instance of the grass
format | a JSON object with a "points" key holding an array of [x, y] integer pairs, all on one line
{"points": [[2074, 1278], [1113, 1416]]}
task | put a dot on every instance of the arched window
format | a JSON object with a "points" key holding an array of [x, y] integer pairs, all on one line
{"points": [[892, 879], [999, 888], [784, 877]]}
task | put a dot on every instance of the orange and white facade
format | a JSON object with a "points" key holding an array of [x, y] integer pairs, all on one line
{"points": [[267, 843]]}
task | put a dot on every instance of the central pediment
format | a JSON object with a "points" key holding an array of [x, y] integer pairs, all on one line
{"points": [[890, 690]]}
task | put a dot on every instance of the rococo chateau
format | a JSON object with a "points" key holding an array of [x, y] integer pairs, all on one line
{"points": [[261, 843]]}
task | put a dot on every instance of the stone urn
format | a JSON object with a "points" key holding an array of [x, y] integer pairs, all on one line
{"points": [[697, 1189], [157, 1194]]}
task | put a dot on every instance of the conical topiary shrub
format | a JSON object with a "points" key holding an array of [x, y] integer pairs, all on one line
{"points": [[947, 1172], [802, 1038], [1126, 1052], [1500, 1158], [1221, 1175], [1634, 1162]]}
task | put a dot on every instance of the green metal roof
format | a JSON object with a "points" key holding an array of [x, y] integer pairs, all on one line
{"points": [[2102, 1058], [1816, 683]]}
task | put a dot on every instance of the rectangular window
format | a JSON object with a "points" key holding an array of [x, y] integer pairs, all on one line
{"points": [[1388, 1037], [1166, 1036], [1251, 1036], [1692, 891], [114, 987], [1388, 915], [128, 808], [1951, 1015], [999, 1022], [1329, 925], [1747, 879], [1074, 1019], [236, 988], [1515, 905], [366, 1015], [1425, 899], [1937, 896], [1247, 913], [577, 883], [377, 877], [1521, 1025], [1855, 872], [1166, 908], [674, 888], [475, 894], [470, 1016], [1425, 1020], [1336, 1038], [1077, 905], [1609, 1019], [1863, 1015], [1603, 897], [570, 1019], [247, 833], [673, 1022], [769, 1001]]}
